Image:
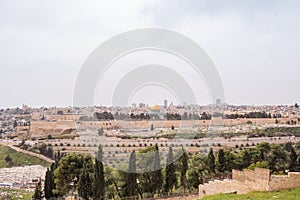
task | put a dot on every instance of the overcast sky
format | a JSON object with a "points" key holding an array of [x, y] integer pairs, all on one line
{"points": [[254, 44]]}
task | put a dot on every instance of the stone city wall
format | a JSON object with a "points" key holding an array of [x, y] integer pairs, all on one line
{"points": [[250, 180], [292, 180]]}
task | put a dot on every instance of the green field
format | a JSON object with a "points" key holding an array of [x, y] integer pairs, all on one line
{"points": [[293, 194], [19, 159]]}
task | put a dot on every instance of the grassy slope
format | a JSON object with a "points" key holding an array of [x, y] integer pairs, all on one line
{"points": [[293, 194], [19, 159]]}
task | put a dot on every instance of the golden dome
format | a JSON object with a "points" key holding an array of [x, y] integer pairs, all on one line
{"points": [[155, 108]]}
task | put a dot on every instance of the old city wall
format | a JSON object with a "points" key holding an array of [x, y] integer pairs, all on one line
{"points": [[251, 180], [292, 180], [45, 127], [63, 122], [257, 179], [57, 127], [242, 182]]}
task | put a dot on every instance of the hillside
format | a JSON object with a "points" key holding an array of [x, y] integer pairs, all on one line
{"points": [[19, 159], [292, 194]]}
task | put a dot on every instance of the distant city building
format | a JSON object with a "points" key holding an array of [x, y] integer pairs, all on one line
{"points": [[165, 103], [218, 102], [142, 105]]}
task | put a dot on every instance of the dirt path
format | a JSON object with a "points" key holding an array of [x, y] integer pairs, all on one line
{"points": [[30, 153]]}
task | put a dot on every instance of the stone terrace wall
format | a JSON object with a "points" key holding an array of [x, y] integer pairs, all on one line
{"points": [[242, 182], [257, 179], [292, 180], [251, 180]]}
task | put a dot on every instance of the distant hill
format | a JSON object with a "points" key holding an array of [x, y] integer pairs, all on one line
{"points": [[18, 159]]}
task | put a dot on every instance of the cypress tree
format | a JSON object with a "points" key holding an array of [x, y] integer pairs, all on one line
{"points": [[131, 176], [293, 160], [49, 184], [98, 180], [211, 161], [84, 185], [157, 178], [38, 193], [183, 170], [171, 179], [221, 161]]}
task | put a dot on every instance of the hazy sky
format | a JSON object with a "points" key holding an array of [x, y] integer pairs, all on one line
{"points": [[254, 44]]}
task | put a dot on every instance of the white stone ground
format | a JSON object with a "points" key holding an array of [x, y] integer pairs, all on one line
{"points": [[22, 176]]}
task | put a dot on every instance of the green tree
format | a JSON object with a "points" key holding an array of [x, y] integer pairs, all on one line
{"points": [[198, 172], [246, 159], [293, 160], [278, 160], [112, 190], [131, 177], [171, 179], [15, 124], [99, 179], [43, 149], [264, 149], [157, 177], [38, 193], [8, 159], [263, 164], [288, 146], [100, 131], [211, 161], [221, 161], [50, 152], [49, 185], [84, 184], [183, 169], [68, 172]]}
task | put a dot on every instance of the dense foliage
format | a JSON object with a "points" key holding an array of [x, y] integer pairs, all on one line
{"points": [[92, 180]]}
